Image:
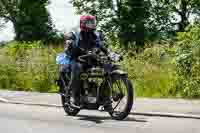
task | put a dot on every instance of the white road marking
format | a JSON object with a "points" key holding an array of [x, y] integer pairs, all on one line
{"points": [[3, 100]]}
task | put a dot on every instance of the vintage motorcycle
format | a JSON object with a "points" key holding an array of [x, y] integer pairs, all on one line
{"points": [[103, 77]]}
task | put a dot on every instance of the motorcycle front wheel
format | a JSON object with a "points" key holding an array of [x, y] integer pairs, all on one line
{"points": [[122, 98]]}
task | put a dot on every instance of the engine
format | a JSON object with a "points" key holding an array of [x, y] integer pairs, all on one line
{"points": [[89, 92]]}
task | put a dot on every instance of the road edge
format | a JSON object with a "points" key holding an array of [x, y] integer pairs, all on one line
{"points": [[166, 114], [155, 114]]}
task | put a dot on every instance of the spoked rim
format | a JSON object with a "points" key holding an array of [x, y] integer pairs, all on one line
{"points": [[119, 97], [69, 110], [67, 105]]}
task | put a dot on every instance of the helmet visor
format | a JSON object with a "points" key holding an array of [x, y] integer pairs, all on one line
{"points": [[91, 23]]}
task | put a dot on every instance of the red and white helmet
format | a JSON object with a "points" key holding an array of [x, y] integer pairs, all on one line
{"points": [[87, 23]]}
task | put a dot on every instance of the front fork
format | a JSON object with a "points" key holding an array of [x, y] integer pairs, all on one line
{"points": [[105, 90]]}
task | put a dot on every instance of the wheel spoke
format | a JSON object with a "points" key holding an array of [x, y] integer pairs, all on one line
{"points": [[118, 91], [116, 105]]}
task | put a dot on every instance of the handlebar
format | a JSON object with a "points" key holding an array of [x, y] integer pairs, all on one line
{"points": [[80, 58], [112, 57]]}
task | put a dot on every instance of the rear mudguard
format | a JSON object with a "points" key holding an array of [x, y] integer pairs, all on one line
{"points": [[60, 84]]}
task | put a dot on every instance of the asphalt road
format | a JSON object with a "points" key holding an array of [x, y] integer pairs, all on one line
{"points": [[177, 106], [33, 119]]}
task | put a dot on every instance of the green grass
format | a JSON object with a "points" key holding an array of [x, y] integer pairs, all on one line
{"points": [[152, 77], [32, 67], [29, 67]]}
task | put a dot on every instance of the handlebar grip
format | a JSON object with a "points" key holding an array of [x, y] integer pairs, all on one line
{"points": [[81, 60]]}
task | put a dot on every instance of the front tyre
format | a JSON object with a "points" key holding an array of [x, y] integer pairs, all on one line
{"points": [[122, 91]]}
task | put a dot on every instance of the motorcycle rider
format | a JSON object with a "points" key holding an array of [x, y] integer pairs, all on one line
{"points": [[86, 39]]}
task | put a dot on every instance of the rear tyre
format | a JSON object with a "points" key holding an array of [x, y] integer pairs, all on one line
{"points": [[66, 99], [68, 110]]}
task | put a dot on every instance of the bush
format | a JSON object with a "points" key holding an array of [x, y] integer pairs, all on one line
{"points": [[188, 62], [160, 70], [28, 66], [152, 72]]}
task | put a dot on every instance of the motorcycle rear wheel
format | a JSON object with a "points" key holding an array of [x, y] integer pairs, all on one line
{"points": [[68, 110], [64, 99]]}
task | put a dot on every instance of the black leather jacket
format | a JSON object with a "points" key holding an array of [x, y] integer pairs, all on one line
{"points": [[84, 40]]}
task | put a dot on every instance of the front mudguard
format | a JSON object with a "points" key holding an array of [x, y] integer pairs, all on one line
{"points": [[117, 74]]}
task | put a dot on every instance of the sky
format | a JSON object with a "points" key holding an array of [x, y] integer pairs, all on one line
{"points": [[62, 13]]}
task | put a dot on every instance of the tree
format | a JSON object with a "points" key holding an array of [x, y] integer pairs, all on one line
{"points": [[107, 12], [137, 15], [174, 15], [139, 20], [122, 17], [158, 22], [187, 61], [30, 18], [184, 9], [2, 23]]}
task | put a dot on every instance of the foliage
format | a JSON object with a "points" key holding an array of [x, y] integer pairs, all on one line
{"points": [[134, 20], [28, 66], [188, 61], [152, 72], [173, 15], [168, 70], [161, 70], [31, 67], [2, 23], [30, 18], [125, 18]]}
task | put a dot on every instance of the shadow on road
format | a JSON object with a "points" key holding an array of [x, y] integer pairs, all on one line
{"points": [[102, 119]]}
